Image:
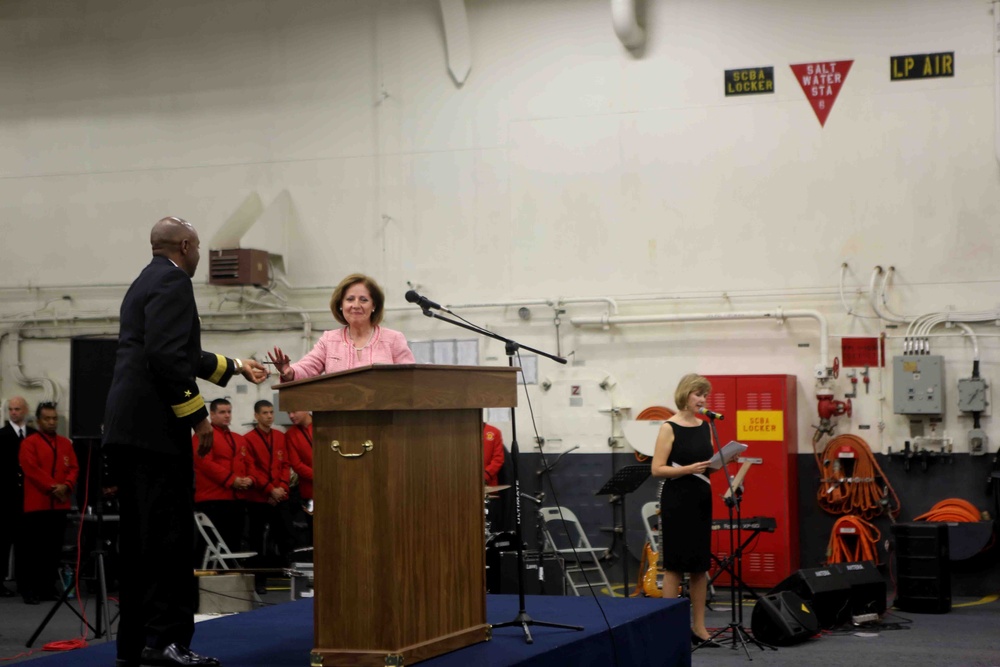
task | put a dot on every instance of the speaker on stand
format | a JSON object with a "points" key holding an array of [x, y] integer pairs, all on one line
{"points": [[91, 370]]}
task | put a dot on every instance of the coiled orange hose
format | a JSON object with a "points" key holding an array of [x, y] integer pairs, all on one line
{"points": [[952, 509], [866, 492]]}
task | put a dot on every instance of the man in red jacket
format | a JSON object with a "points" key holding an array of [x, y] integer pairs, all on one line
{"points": [[50, 471], [272, 472], [299, 439], [493, 453], [223, 477]]}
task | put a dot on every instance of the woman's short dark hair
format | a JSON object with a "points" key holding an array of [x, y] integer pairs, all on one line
{"points": [[378, 297]]}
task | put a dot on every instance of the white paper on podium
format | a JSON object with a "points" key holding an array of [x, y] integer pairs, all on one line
{"points": [[729, 454]]}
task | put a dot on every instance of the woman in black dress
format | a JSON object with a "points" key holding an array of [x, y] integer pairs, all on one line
{"points": [[683, 449]]}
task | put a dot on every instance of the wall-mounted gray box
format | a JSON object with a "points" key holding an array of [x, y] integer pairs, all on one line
{"points": [[918, 384], [972, 395]]}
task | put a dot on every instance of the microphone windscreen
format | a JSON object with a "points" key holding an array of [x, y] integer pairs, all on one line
{"points": [[412, 296]]}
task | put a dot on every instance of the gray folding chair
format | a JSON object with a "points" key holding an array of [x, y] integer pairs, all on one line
{"points": [[580, 557]]}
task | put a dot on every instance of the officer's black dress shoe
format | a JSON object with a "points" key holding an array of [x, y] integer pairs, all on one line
{"points": [[6, 592], [174, 655], [31, 599]]}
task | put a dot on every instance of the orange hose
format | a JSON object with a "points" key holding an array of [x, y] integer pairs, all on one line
{"points": [[866, 492], [951, 509], [654, 413], [852, 540]]}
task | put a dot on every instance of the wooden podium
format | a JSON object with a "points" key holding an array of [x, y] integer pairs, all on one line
{"points": [[398, 521]]}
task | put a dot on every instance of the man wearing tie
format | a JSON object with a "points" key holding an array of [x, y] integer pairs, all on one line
{"points": [[12, 485]]}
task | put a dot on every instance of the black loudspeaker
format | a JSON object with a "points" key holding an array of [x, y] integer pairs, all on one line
{"points": [[91, 369], [923, 577], [826, 589], [548, 580], [839, 591], [867, 587], [783, 619]]}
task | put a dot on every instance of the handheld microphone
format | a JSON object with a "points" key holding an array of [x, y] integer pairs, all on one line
{"points": [[711, 415], [423, 302]]}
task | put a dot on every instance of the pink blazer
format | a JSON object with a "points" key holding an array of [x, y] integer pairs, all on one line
{"points": [[334, 352]]}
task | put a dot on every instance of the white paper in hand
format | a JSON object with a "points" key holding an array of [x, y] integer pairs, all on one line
{"points": [[729, 454]]}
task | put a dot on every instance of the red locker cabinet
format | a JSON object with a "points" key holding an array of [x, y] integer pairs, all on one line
{"points": [[760, 411]]}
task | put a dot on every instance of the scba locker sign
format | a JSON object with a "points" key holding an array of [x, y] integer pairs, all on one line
{"points": [[768, 425], [749, 81]]}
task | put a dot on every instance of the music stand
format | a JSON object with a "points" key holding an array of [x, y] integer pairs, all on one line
{"points": [[626, 480], [728, 564], [740, 636]]}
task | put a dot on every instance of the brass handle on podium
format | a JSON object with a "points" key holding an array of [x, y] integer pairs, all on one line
{"points": [[366, 446]]}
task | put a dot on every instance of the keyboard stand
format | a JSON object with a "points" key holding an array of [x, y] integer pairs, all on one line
{"points": [[727, 564]]}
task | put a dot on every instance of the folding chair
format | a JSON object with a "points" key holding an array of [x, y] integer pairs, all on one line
{"points": [[217, 553], [580, 560], [651, 521]]}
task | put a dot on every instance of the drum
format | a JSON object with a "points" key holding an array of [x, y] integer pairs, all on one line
{"points": [[496, 544]]}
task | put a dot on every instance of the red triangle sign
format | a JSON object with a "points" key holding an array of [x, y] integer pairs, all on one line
{"points": [[821, 83]]}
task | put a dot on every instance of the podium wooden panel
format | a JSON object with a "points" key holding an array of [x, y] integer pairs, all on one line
{"points": [[399, 531]]}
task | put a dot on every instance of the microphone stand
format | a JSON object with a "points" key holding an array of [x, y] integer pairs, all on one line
{"points": [[103, 617], [740, 635], [522, 619]]}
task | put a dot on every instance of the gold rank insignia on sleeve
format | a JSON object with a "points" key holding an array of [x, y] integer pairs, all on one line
{"points": [[188, 407], [221, 366]]}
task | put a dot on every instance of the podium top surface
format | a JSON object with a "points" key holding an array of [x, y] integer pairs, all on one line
{"points": [[403, 387]]}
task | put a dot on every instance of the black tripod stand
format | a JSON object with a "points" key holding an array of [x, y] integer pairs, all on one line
{"points": [[103, 618], [739, 634], [522, 619], [625, 481]]}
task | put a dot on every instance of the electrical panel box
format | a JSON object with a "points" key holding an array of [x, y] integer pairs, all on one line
{"points": [[972, 395], [918, 384]]}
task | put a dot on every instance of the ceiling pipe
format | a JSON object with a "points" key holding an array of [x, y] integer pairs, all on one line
{"points": [[625, 19], [996, 79], [50, 386], [821, 371]]}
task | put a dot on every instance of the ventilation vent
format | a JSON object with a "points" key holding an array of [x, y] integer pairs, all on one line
{"points": [[238, 266]]}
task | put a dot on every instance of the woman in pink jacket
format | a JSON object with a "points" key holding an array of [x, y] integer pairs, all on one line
{"points": [[357, 303]]}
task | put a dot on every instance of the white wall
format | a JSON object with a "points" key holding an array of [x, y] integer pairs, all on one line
{"points": [[565, 166]]}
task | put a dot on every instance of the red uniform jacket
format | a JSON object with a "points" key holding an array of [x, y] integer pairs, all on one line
{"points": [[270, 463], [214, 474], [47, 460], [493, 453], [300, 452]]}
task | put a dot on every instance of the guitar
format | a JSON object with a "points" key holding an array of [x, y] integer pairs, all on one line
{"points": [[652, 580]]}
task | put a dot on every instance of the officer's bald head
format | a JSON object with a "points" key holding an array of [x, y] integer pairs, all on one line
{"points": [[176, 240]]}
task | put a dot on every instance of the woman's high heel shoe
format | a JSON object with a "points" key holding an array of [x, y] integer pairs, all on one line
{"points": [[703, 643]]}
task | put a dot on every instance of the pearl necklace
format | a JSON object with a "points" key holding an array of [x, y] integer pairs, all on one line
{"points": [[360, 349]]}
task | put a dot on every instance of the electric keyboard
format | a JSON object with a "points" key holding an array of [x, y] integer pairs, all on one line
{"points": [[761, 524]]}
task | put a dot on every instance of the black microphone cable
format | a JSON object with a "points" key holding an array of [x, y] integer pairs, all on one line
{"points": [[555, 498]]}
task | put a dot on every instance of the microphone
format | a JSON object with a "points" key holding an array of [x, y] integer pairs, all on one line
{"points": [[423, 302], [711, 415]]}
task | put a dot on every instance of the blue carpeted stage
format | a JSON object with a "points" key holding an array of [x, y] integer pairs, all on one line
{"points": [[645, 631]]}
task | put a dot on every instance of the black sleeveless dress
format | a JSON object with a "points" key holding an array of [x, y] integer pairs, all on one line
{"points": [[686, 503]]}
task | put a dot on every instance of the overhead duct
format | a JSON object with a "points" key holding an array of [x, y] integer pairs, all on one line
{"points": [[231, 264]]}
